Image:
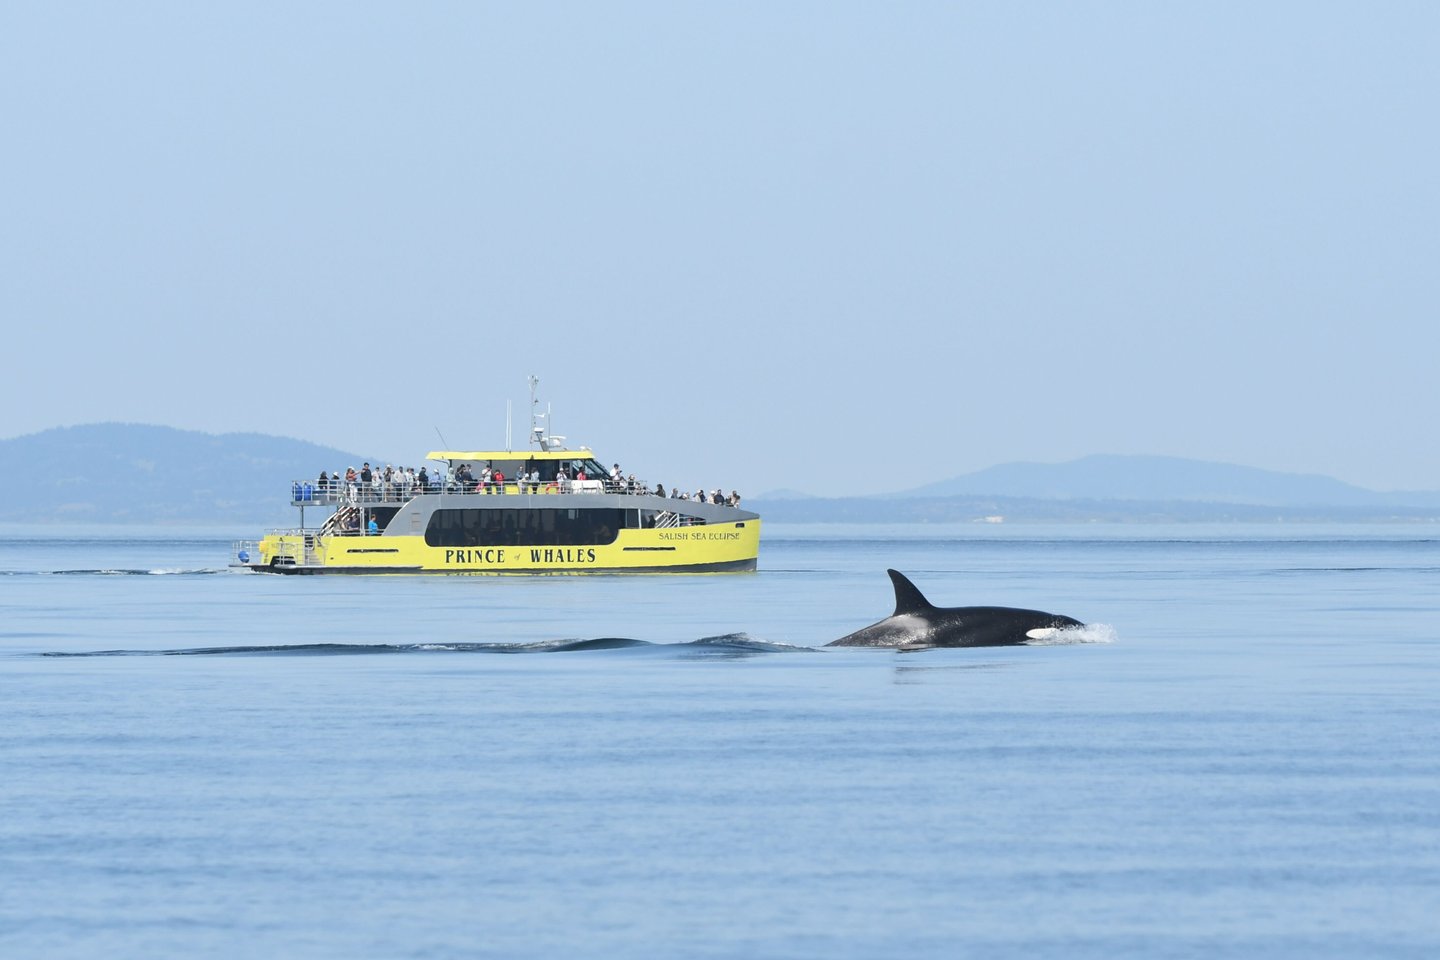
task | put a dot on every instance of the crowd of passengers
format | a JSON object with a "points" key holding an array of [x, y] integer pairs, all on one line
{"points": [[404, 482]]}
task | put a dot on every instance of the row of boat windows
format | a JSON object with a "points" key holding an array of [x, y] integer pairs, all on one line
{"points": [[548, 527], [546, 471]]}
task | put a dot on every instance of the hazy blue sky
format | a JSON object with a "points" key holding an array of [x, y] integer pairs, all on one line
{"points": [[836, 247]]}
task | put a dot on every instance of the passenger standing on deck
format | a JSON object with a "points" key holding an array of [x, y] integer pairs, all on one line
{"points": [[372, 528], [366, 481]]}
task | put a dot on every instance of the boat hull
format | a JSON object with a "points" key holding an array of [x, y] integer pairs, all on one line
{"points": [[708, 548]]}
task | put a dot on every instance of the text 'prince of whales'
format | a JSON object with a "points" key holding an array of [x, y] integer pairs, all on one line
{"points": [[917, 624]]}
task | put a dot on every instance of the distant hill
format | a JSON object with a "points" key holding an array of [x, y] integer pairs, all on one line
{"points": [[1030, 510], [132, 473], [1116, 489], [785, 494], [1108, 477]]}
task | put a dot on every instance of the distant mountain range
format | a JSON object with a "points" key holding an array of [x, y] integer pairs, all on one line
{"points": [[130, 473], [1107, 477], [1116, 489], [997, 509]]}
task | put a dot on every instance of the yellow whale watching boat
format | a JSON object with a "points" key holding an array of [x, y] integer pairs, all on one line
{"points": [[545, 510]]}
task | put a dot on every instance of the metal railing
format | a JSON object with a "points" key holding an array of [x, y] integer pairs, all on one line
{"points": [[343, 493], [667, 519], [290, 547]]}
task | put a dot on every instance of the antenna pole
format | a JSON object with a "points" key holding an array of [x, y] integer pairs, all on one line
{"points": [[534, 382]]}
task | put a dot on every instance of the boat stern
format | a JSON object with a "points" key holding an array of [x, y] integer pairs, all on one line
{"points": [[276, 550]]}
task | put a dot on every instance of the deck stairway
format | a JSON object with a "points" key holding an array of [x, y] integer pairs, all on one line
{"points": [[342, 521]]}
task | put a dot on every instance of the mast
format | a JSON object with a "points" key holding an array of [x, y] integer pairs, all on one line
{"points": [[540, 423], [537, 432]]}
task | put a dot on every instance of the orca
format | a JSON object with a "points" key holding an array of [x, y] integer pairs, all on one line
{"points": [[917, 624]]}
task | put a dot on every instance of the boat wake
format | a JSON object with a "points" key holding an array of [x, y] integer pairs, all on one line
{"points": [[117, 572], [1085, 633], [730, 645]]}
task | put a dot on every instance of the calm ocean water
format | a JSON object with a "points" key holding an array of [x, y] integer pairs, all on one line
{"points": [[1249, 766]]}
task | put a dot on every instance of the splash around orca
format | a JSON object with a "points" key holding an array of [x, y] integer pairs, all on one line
{"points": [[917, 624]]}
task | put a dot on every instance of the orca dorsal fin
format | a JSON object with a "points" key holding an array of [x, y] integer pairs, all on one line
{"points": [[908, 598]]}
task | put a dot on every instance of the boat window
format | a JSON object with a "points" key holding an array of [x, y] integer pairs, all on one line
{"points": [[499, 528], [593, 470]]}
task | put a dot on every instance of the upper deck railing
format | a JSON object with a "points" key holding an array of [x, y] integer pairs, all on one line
{"points": [[343, 493]]}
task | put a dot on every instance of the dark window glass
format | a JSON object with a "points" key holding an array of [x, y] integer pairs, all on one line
{"points": [[593, 470], [525, 528], [383, 516]]}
